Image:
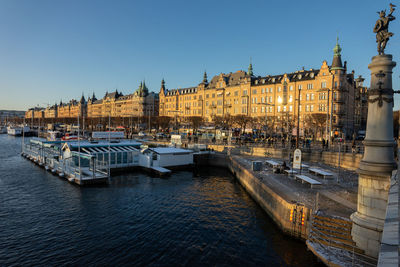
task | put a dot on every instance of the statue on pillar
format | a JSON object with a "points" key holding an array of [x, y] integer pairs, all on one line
{"points": [[382, 29]]}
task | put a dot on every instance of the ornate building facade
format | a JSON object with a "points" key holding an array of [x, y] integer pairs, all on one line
{"points": [[138, 104], [329, 91]]}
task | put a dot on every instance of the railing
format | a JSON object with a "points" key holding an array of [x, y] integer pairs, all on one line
{"points": [[355, 256], [345, 147]]}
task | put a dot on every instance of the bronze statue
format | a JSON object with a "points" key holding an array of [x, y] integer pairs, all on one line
{"points": [[381, 29]]}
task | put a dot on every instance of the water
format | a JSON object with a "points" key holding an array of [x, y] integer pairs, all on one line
{"points": [[189, 219]]}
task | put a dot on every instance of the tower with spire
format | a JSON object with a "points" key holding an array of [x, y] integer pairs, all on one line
{"points": [[337, 59], [250, 69]]}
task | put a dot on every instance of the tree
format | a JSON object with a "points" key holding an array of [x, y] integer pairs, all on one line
{"points": [[316, 122], [195, 122], [163, 122], [242, 121]]}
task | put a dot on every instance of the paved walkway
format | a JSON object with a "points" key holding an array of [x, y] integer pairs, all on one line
{"points": [[339, 199]]}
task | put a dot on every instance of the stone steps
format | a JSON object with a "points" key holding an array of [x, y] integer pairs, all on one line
{"points": [[333, 232], [327, 231]]}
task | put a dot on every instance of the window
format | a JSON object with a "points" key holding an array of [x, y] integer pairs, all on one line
{"points": [[323, 85], [279, 88], [312, 97], [290, 98], [270, 89], [290, 108], [284, 108], [300, 87], [207, 95], [270, 99], [309, 86], [279, 109], [262, 90], [236, 101], [270, 109], [307, 108], [236, 93], [312, 108], [254, 91], [262, 109], [213, 95], [219, 102], [244, 109], [291, 88], [244, 100], [244, 92], [307, 97], [335, 84]]}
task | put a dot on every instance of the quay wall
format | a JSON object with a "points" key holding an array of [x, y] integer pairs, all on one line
{"points": [[348, 161], [272, 203]]}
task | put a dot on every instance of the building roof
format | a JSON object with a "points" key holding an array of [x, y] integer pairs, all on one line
{"points": [[170, 150]]}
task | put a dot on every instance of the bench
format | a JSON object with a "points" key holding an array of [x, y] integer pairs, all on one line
{"points": [[306, 179], [304, 166], [290, 172], [272, 163], [319, 172]]}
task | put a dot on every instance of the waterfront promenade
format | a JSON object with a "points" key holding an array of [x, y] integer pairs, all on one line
{"points": [[320, 216]]}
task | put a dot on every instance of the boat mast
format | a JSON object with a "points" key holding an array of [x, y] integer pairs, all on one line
{"points": [[23, 136], [109, 143], [79, 149]]}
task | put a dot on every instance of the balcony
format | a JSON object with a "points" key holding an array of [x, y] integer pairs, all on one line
{"points": [[339, 100], [339, 112]]}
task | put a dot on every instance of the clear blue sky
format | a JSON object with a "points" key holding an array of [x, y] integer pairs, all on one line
{"points": [[52, 50]]}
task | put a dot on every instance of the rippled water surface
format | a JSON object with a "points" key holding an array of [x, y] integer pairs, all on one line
{"points": [[190, 219]]}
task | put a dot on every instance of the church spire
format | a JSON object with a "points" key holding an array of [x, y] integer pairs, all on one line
{"points": [[205, 81], [163, 84], [337, 59], [250, 70]]}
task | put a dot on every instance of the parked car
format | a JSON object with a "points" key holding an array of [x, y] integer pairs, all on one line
{"points": [[142, 134]]}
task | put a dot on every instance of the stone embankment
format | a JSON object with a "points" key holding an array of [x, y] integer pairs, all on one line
{"points": [[293, 218]]}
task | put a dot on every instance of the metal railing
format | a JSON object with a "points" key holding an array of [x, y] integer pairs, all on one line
{"points": [[355, 257]]}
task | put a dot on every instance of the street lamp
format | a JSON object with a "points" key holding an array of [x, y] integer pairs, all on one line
{"points": [[266, 114], [280, 102], [298, 119], [328, 115], [176, 117]]}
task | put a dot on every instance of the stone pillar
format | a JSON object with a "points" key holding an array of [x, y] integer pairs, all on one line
{"points": [[376, 167]]}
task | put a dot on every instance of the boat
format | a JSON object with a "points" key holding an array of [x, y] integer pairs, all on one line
{"points": [[3, 129], [14, 131]]}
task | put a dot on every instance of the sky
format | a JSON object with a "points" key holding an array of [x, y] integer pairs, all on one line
{"points": [[56, 50]]}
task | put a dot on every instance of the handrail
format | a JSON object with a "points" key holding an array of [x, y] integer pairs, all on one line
{"points": [[313, 229]]}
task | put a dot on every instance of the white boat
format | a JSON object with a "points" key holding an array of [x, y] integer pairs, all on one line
{"points": [[15, 131]]}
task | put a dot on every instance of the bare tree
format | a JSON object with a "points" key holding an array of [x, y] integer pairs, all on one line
{"points": [[195, 122], [316, 122], [242, 121]]}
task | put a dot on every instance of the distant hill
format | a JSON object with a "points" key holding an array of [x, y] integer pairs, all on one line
{"points": [[11, 113]]}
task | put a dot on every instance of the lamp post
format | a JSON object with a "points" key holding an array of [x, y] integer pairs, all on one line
{"points": [[280, 102], [266, 114], [328, 127], [176, 117], [298, 119]]}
